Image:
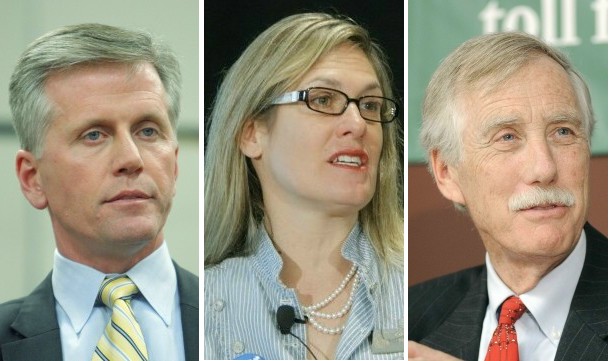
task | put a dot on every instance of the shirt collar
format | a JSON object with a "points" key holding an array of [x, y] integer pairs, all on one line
{"points": [[358, 249], [267, 259], [549, 301], [76, 285], [155, 276]]}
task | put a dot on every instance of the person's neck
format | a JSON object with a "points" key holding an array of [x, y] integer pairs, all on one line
{"points": [[521, 273], [309, 243], [119, 259]]}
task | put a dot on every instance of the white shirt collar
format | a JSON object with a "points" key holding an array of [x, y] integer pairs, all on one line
{"points": [[549, 301], [75, 285]]}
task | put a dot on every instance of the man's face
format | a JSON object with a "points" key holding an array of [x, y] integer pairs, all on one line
{"points": [[109, 162], [527, 133]]}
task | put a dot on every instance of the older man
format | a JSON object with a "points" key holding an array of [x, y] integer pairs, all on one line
{"points": [[507, 123], [95, 108]]}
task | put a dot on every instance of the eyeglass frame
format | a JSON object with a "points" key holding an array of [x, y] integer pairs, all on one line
{"points": [[303, 95]]}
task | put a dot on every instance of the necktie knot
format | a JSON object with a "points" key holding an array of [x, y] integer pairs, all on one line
{"points": [[511, 310], [113, 289]]}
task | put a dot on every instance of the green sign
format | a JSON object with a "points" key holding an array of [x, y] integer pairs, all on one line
{"points": [[436, 27]]}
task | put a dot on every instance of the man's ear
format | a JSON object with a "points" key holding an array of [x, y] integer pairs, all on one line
{"points": [[29, 179], [250, 142], [447, 178]]}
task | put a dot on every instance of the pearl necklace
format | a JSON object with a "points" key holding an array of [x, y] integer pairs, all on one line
{"points": [[313, 311]]}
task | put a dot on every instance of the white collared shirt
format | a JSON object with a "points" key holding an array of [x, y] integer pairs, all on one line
{"points": [[541, 326], [156, 308]]}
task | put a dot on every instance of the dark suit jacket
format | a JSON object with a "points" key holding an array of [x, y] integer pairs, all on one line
{"points": [[29, 330], [447, 313]]}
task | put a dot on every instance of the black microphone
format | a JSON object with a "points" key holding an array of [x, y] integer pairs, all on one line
{"points": [[286, 319]]}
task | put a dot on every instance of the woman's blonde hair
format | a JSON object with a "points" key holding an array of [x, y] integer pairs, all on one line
{"points": [[276, 59]]}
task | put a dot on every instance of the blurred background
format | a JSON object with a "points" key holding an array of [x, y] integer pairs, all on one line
{"points": [[441, 240], [26, 237]]}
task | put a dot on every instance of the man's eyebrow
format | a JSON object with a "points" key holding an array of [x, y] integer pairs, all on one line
{"points": [[151, 115], [573, 117], [498, 122], [100, 121]]}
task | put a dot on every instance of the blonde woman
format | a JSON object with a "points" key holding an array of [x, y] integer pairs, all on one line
{"points": [[303, 222]]}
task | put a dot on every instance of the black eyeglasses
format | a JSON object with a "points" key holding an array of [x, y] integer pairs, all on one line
{"points": [[335, 102]]}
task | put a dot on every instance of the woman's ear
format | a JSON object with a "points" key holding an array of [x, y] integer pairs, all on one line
{"points": [[29, 178], [251, 138]]}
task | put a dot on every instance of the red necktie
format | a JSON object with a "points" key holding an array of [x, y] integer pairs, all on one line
{"points": [[504, 344]]}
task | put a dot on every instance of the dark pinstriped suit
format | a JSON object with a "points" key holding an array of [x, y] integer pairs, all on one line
{"points": [[29, 330], [447, 313]]}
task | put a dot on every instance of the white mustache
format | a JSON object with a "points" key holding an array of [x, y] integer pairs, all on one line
{"points": [[539, 197]]}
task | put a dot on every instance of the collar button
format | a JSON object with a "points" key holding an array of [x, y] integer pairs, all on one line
{"points": [[218, 305]]}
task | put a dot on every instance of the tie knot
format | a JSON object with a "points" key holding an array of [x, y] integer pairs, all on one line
{"points": [[113, 289], [511, 310]]}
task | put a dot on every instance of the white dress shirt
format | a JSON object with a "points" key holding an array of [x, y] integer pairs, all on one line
{"points": [[540, 327], [156, 308]]}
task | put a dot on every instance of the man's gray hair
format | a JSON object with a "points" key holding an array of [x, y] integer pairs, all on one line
{"points": [[484, 63], [75, 45]]}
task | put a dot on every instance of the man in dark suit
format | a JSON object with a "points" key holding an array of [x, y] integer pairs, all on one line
{"points": [[95, 108], [507, 123]]}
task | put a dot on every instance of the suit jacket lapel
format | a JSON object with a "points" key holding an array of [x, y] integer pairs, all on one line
{"points": [[37, 324], [460, 333], [585, 334], [188, 288]]}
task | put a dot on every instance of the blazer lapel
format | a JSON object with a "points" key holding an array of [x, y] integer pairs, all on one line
{"points": [[188, 288], [585, 334], [460, 333], [37, 323]]}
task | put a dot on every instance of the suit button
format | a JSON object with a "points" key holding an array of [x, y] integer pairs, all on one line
{"points": [[218, 305], [238, 347]]}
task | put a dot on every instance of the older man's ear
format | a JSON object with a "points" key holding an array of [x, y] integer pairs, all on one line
{"points": [[447, 178]]}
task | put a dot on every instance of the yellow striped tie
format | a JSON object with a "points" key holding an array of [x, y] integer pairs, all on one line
{"points": [[122, 339]]}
